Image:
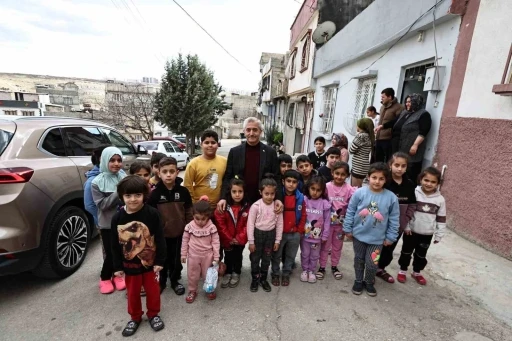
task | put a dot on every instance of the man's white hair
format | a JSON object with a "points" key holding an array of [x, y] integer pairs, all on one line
{"points": [[253, 120]]}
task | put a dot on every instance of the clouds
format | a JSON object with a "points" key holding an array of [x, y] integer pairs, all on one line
{"points": [[98, 39]]}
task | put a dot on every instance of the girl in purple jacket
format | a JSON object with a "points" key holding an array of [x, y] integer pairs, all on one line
{"points": [[318, 223]]}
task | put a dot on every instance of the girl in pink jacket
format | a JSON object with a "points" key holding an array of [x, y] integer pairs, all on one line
{"points": [[200, 246]]}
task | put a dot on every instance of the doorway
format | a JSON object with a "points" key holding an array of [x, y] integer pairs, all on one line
{"points": [[414, 80]]}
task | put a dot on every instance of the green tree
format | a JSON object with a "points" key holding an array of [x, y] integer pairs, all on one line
{"points": [[188, 101]]}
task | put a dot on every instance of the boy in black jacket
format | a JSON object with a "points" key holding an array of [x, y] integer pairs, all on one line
{"points": [[174, 203], [138, 251]]}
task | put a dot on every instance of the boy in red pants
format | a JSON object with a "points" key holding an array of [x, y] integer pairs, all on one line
{"points": [[138, 251]]}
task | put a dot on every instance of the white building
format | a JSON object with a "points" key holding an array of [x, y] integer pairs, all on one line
{"points": [[372, 53], [301, 86], [24, 104]]}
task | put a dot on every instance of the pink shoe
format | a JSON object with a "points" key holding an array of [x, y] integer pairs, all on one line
{"points": [[304, 276], [119, 283], [106, 287], [419, 278], [311, 277]]}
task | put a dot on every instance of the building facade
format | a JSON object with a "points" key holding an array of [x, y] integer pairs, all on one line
{"points": [[272, 69], [25, 104], [229, 125], [348, 80], [301, 86], [474, 140]]}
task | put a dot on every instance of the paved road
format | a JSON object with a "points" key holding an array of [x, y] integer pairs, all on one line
{"points": [[71, 309]]}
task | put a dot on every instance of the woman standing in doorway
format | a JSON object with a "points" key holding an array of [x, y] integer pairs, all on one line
{"points": [[410, 130]]}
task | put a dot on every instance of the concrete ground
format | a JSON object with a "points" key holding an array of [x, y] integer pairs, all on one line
{"points": [[462, 301]]}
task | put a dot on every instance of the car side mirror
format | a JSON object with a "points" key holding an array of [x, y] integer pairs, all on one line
{"points": [[141, 150]]}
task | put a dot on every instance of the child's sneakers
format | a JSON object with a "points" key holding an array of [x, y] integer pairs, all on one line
{"points": [[191, 297], [106, 287], [385, 276], [225, 281], [211, 296], [419, 278], [401, 277], [358, 287], [311, 277], [235, 279], [304, 276], [370, 289], [119, 283]]}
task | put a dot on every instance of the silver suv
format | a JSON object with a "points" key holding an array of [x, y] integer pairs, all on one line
{"points": [[44, 227]]}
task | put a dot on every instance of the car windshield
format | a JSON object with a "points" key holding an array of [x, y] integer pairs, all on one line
{"points": [[7, 130], [149, 145]]}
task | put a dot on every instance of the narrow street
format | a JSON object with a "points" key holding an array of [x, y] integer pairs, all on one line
{"points": [[74, 309]]}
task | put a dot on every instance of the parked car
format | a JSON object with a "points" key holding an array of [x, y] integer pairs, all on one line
{"points": [[44, 227], [242, 138], [180, 144], [169, 148]]}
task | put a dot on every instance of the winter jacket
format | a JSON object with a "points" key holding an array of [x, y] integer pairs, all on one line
{"points": [[318, 221], [174, 205], [231, 226], [89, 204], [339, 198], [294, 215], [372, 217], [107, 203], [264, 218], [318, 160], [200, 240], [388, 113], [361, 149], [302, 182], [406, 199], [430, 216]]}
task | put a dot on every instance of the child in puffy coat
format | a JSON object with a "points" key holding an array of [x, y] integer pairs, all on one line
{"points": [[232, 227]]}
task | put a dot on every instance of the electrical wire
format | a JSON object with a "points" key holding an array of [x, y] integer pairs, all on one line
{"points": [[215, 40], [436, 62], [403, 35]]}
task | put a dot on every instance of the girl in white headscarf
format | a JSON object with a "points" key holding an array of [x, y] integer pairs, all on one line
{"points": [[104, 193]]}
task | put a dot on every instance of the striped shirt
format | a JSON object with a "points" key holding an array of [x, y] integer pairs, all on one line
{"points": [[361, 149]]}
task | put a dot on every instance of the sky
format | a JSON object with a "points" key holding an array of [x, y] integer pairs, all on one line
{"points": [[131, 39]]}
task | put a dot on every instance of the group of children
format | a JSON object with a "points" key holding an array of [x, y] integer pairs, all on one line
{"points": [[157, 228]]}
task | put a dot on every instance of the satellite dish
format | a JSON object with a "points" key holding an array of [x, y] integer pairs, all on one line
{"points": [[324, 32]]}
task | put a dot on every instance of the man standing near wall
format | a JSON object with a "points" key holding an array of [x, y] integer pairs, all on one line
{"points": [[251, 160], [389, 110]]}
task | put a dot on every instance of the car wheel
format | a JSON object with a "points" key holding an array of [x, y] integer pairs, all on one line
{"points": [[65, 244]]}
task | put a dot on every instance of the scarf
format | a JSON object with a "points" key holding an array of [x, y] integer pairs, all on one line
{"points": [[341, 141], [106, 180], [416, 102]]}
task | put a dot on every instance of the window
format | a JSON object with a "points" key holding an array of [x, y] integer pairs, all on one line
{"points": [[177, 148], [414, 81], [53, 143], [11, 112], [305, 51], [363, 98], [292, 64], [168, 147], [505, 88], [329, 105], [150, 145], [119, 141], [68, 100], [117, 97], [290, 117], [27, 113], [84, 140]]}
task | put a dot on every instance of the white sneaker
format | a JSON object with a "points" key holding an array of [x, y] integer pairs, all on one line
{"points": [[235, 279], [225, 281]]}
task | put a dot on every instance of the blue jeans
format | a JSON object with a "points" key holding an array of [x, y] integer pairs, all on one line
{"points": [[291, 241]]}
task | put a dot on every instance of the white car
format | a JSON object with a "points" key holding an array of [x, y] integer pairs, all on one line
{"points": [[169, 148]]}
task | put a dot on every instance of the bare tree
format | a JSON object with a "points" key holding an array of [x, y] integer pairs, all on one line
{"points": [[129, 108]]}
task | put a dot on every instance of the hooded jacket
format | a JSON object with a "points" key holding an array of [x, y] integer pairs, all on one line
{"points": [[388, 113], [430, 215], [296, 220], [174, 205], [89, 204], [200, 240], [231, 226], [318, 221]]}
